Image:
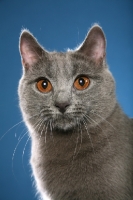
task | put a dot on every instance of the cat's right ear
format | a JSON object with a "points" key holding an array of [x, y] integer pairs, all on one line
{"points": [[30, 50]]}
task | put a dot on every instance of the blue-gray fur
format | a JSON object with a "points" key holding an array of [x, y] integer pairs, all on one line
{"points": [[86, 152]]}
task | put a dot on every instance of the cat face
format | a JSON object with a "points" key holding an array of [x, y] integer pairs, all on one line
{"points": [[63, 90]]}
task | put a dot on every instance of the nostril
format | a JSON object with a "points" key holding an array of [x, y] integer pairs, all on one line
{"points": [[62, 106]]}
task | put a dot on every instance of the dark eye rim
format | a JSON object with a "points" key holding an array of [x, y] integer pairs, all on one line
{"points": [[41, 78], [81, 76]]}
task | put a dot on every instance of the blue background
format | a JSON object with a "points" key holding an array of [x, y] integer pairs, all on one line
{"points": [[57, 25]]}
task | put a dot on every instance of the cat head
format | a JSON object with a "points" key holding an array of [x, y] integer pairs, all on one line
{"points": [[65, 90]]}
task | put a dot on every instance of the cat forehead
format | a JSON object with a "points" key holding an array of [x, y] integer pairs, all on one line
{"points": [[68, 64], [59, 64]]}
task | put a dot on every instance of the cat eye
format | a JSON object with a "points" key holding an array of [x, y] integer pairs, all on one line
{"points": [[81, 83], [44, 85]]}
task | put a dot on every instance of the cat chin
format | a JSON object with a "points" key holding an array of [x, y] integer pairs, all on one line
{"points": [[64, 123], [64, 127]]}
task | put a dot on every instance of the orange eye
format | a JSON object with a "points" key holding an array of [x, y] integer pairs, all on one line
{"points": [[81, 83], [44, 85]]}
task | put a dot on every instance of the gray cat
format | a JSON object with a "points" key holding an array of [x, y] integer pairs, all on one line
{"points": [[82, 142]]}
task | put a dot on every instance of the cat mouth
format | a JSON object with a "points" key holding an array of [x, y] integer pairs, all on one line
{"points": [[63, 121], [66, 121]]}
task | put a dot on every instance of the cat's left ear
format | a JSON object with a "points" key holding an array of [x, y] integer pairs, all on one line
{"points": [[30, 50], [94, 45]]}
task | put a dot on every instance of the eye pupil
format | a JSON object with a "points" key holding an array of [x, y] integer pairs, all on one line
{"points": [[45, 84], [81, 81]]}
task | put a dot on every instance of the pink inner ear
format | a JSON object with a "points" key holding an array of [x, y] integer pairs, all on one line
{"points": [[98, 51], [29, 56], [94, 45]]}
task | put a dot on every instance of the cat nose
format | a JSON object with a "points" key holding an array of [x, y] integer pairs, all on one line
{"points": [[62, 106]]}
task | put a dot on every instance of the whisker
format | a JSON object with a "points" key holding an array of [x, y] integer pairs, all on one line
{"points": [[85, 125], [74, 154], [100, 128], [19, 140], [36, 125], [22, 132], [15, 151], [46, 132], [92, 111], [41, 133], [40, 124], [22, 121], [51, 129], [11, 129], [24, 151], [79, 132]]}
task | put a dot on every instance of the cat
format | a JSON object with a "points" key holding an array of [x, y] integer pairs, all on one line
{"points": [[81, 141]]}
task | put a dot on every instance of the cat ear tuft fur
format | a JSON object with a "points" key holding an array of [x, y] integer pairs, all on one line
{"points": [[94, 45], [30, 49]]}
